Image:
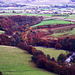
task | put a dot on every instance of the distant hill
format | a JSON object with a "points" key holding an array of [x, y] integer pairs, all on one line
{"points": [[73, 0], [1, 2], [36, 1]]}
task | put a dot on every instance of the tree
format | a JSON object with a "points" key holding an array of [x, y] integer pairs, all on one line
{"points": [[39, 57], [41, 63], [1, 73], [48, 56], [58, 46], [61, 57], [38, 52]]}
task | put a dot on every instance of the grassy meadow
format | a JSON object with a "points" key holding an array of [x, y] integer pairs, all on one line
{"points": [[1, 32], [52, 52], [68, 33], [72, 17], [14, 61], [53, 21], [28, 14]]}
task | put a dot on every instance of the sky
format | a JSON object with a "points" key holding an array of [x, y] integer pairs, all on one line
{"points": [[37, 1]]}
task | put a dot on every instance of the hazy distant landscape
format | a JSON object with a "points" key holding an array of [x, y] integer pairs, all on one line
{"points": [[37, 37]]}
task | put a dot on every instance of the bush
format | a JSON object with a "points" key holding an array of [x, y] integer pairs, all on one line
{"points": [[72, 71], [61, 58], [58, 70], [1, 73], [50, 66], [39, 57], [58, 46], [41, 63], [4, 40], [69, 54], [38, 52], [30, 49], [33, 59], [21, 45], [48, 56], [53, 59], [33, 50]]}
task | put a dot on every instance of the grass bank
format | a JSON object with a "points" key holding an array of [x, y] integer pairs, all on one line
{"points": [[52, 22], [14, 61], [52, 52]]}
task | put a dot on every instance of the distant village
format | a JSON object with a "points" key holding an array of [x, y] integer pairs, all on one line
{"points": [[47, 9], [37, 9]]}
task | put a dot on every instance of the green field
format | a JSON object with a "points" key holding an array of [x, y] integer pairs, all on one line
{"points": [[54, 21], [18, 14], [14, 61], [70, 32], [72, 17], [52, 52], [1, 32], [28, 14]]}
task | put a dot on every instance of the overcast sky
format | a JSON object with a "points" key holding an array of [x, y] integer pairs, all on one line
{"points": [[36, 0]]}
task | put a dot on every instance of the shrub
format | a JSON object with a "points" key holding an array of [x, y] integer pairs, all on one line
{"points": [[48, 56], [41, 63], [58, 46], [65, 70], [33, 50], [53, 59], [58, 70], [38, 52], [61, 57], [1, 73], [30, 49], [4, 39], [72, 71], [50, 66], [69, 54], [39, 57], [21, 45], [33, 59]]}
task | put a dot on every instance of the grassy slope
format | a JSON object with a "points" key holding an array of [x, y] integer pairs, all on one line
{"points": [[14, 61], [52, 52], [52, 22], [71, 32]]}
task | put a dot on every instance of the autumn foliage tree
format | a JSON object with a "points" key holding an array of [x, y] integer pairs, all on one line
{"points": [[41, 63]]}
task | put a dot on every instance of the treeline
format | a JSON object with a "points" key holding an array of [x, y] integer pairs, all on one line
{"points": [[40, 59], [44, 62], [52, 26], [23, 33], [22, 38], [23, 20], [16, 23], [66, 43]]}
